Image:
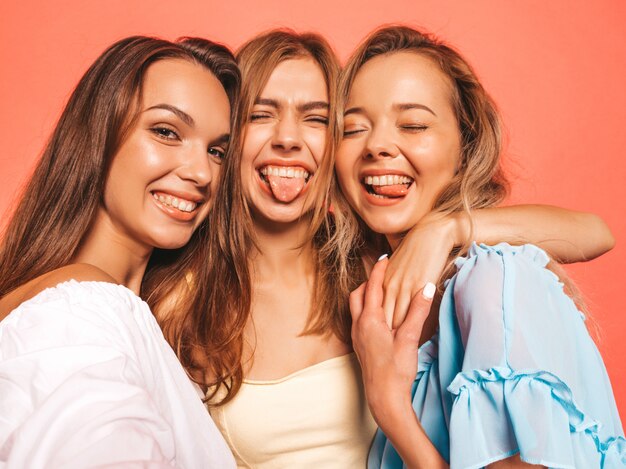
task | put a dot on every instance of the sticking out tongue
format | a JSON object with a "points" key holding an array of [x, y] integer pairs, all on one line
{"points": [[395, 190], [286, 189]]}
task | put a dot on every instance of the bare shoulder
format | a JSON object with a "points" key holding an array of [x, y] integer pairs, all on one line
{"points": [[78, 272]]}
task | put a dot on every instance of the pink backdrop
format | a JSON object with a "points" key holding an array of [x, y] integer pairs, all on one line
{"points": [[557, 70]]}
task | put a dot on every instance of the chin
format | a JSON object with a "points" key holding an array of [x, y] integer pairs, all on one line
{"points": [[282, 213], [388, 226], [171, 240], [279, 217]]}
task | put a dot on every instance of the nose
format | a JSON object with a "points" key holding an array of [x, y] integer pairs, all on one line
{"points": [[197, 167], [287, 135], [380, 144]]}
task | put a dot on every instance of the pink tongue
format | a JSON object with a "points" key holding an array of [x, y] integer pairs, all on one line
{"points": [[285, 189], [396, 190]]}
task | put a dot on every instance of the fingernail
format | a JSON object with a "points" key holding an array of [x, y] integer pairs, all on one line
{"points": [[384, 256], [429, 291]]}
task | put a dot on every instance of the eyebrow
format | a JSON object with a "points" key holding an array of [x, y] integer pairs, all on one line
{"points": [[353, 110], [224, 138], [399, 107], [409, 106], [304, 107], [182, 115]]}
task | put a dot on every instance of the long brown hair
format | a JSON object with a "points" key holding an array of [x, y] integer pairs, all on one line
{"points": [[210, 342], [63, 195]]}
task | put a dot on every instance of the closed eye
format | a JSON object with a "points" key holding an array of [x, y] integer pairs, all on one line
{"points": [[414, 128], [257, 116], [318, 120], [352, 132]]}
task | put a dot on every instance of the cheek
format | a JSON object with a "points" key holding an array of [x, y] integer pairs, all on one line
{"points": [[346, 159], [256, 137], [316, 143], [253, 143], [125, 177], [204, 213], [216, 172], [448, 163], [143, 160], [436, 156]]}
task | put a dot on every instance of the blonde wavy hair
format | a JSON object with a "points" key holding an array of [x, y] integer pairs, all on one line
{"points": [[480, 181]]}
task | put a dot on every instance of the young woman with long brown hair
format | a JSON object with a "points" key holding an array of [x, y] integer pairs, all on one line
{"points": [[507, 374], [86, 376], [271, 340]]}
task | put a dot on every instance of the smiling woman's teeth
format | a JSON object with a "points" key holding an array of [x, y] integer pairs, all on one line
{"points": [[387, 180], [284, 172], [180, 204], [387, 185]]}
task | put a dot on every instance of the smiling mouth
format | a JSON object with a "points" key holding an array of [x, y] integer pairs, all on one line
{"points": [[177, 203], [285, 183], [387, 186]]}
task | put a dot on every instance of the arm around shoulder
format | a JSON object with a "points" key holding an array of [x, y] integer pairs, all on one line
{"points": [[567, 235]]}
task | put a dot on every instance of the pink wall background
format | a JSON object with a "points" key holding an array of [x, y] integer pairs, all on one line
{"points": [[557, 70]]}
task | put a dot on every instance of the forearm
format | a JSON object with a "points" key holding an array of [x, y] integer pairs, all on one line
{"points": [[403, 429], [568, 236]]}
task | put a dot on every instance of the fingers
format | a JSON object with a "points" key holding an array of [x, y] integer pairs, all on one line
{"points": [[357, 297], [391, 290], [411, 329], [374, 288], [403, 303], [389, 305]]}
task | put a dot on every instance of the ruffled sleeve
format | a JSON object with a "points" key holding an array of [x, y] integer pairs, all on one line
{"points": [[79, 382], [525, 375], [512, 370]]}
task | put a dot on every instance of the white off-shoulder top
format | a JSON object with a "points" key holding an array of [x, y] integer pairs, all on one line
{"points": [[88, 380]]}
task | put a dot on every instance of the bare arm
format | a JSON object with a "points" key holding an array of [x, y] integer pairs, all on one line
{"points": [[566, 235]]}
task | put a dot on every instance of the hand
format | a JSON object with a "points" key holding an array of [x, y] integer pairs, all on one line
{"points": [[421, 256], [388, 357]]}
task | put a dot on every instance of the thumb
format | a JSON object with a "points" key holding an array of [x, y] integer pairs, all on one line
{"points": [[357, 298]]}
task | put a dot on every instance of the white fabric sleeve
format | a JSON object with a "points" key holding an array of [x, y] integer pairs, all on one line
{"points": [[75, 392]]}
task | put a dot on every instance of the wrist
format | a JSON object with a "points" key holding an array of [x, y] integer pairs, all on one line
{"points": [[458, 228], [390, 409], [399, 422]]}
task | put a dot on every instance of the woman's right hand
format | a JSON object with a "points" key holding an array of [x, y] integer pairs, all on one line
{"points": [[389, 365]]}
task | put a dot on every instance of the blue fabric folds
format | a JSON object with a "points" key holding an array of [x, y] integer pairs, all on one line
{"points": [[512, 370]]}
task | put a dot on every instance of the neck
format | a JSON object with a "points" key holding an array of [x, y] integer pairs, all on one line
{"points": [[117, 254], [283, 251], [394, 240]]}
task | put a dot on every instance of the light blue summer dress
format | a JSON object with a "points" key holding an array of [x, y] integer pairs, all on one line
{"points": [[511, 370]]}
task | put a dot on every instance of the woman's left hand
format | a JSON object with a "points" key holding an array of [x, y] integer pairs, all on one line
{"points": [[388, 357]]}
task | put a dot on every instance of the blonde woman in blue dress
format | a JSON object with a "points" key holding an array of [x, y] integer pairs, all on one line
{"points": [[506, 374]]}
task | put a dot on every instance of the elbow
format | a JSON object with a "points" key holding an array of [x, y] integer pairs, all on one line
{"points": [[604, 237]]}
